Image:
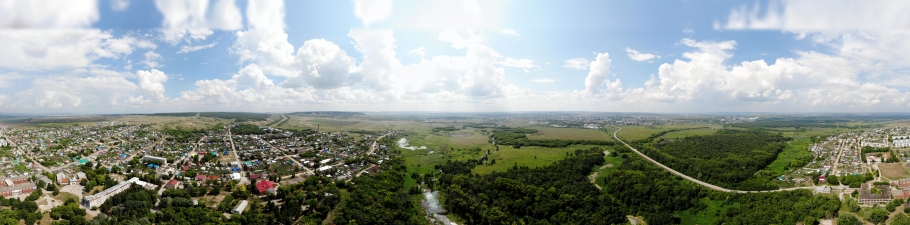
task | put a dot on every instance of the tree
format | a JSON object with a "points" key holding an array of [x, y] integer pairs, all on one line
{"points": [[847, 219], [901, 219], [852, 205], [876, 215]]}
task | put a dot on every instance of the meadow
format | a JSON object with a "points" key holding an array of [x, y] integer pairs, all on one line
{"points": [[569, 134], [631, 133]]}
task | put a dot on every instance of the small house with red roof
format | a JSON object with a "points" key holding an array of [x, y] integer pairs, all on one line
{"points": [[200, 177], [266, 187], [171, 184]]}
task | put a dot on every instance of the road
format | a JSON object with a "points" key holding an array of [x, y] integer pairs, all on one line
{"points": [[372, 149], [702, 183]]}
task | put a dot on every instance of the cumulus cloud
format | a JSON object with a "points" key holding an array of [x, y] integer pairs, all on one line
{"points": [[62, 49], [577, 64], [324, 65], [151, 83], [194, 20], [641, 57], [48, 13], [249, 87], [510, 32], [372, 11], [193, 48], [598, 74], [91, 87], [151, 59], [265, 15]]}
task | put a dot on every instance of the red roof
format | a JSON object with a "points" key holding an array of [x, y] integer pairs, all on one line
{"points": [[172, 182], [214, 177], [265, 185], [254, 176], [200, 177]]}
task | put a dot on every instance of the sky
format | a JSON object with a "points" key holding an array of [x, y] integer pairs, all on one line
{"points": [[687, 56]]}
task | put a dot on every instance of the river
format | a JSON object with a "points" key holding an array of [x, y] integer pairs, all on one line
{"points": [[433, 209]]}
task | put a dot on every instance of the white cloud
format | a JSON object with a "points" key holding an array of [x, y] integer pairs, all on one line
{"points": [[641, 57], [517, 63], [688, 31], [421, 51], [577, 64], [265, 15], [151, 59], [510, 32], [597, 76], [250, 87], [62, 49], [193, 48], [9, 79], [120, 5], [833, 16], [194, 20], [372, 11], [543, 80], [91, 88], [3, 99], [151, 83], [324, 65], [379, 59], [264, 46], [48, 13]]}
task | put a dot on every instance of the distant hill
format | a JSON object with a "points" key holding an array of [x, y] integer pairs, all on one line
{"points": [[328, 113], [236, 116]]}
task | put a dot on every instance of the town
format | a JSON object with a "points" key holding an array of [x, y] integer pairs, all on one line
{"points": [[93, 163]]}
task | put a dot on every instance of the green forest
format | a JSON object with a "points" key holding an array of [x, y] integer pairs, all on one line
{"points": [[555, 194], [517, 137], [728, 158]]}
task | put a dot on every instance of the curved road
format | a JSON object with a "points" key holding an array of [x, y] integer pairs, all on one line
{"points": [[702, 183]]}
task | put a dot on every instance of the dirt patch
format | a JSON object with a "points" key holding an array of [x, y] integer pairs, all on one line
{"points": [[609, 165], [593, 179], [893, 171]]}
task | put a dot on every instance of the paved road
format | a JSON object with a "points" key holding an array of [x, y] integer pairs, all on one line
{"points": [[702, 183]]}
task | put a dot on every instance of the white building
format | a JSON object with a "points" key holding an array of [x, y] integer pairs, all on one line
{"points": [[99, 198], [235, 176], [240, 207], [902, 143]]}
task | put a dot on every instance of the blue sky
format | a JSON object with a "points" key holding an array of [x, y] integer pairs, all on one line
{"points": [[128, 56]]}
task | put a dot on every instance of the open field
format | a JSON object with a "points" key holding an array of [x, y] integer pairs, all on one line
{"points": [[532, 156], [893, 171], [610, 164], [795, 149], [632, 133], [569, 134], [705, 216], [687, 133]]}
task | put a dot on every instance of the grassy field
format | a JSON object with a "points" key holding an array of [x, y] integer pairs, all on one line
{"points": [[569, 134], [631, 133], [893, 171], [706, 216], [532, 156], [796, 148], [610, 164]]}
